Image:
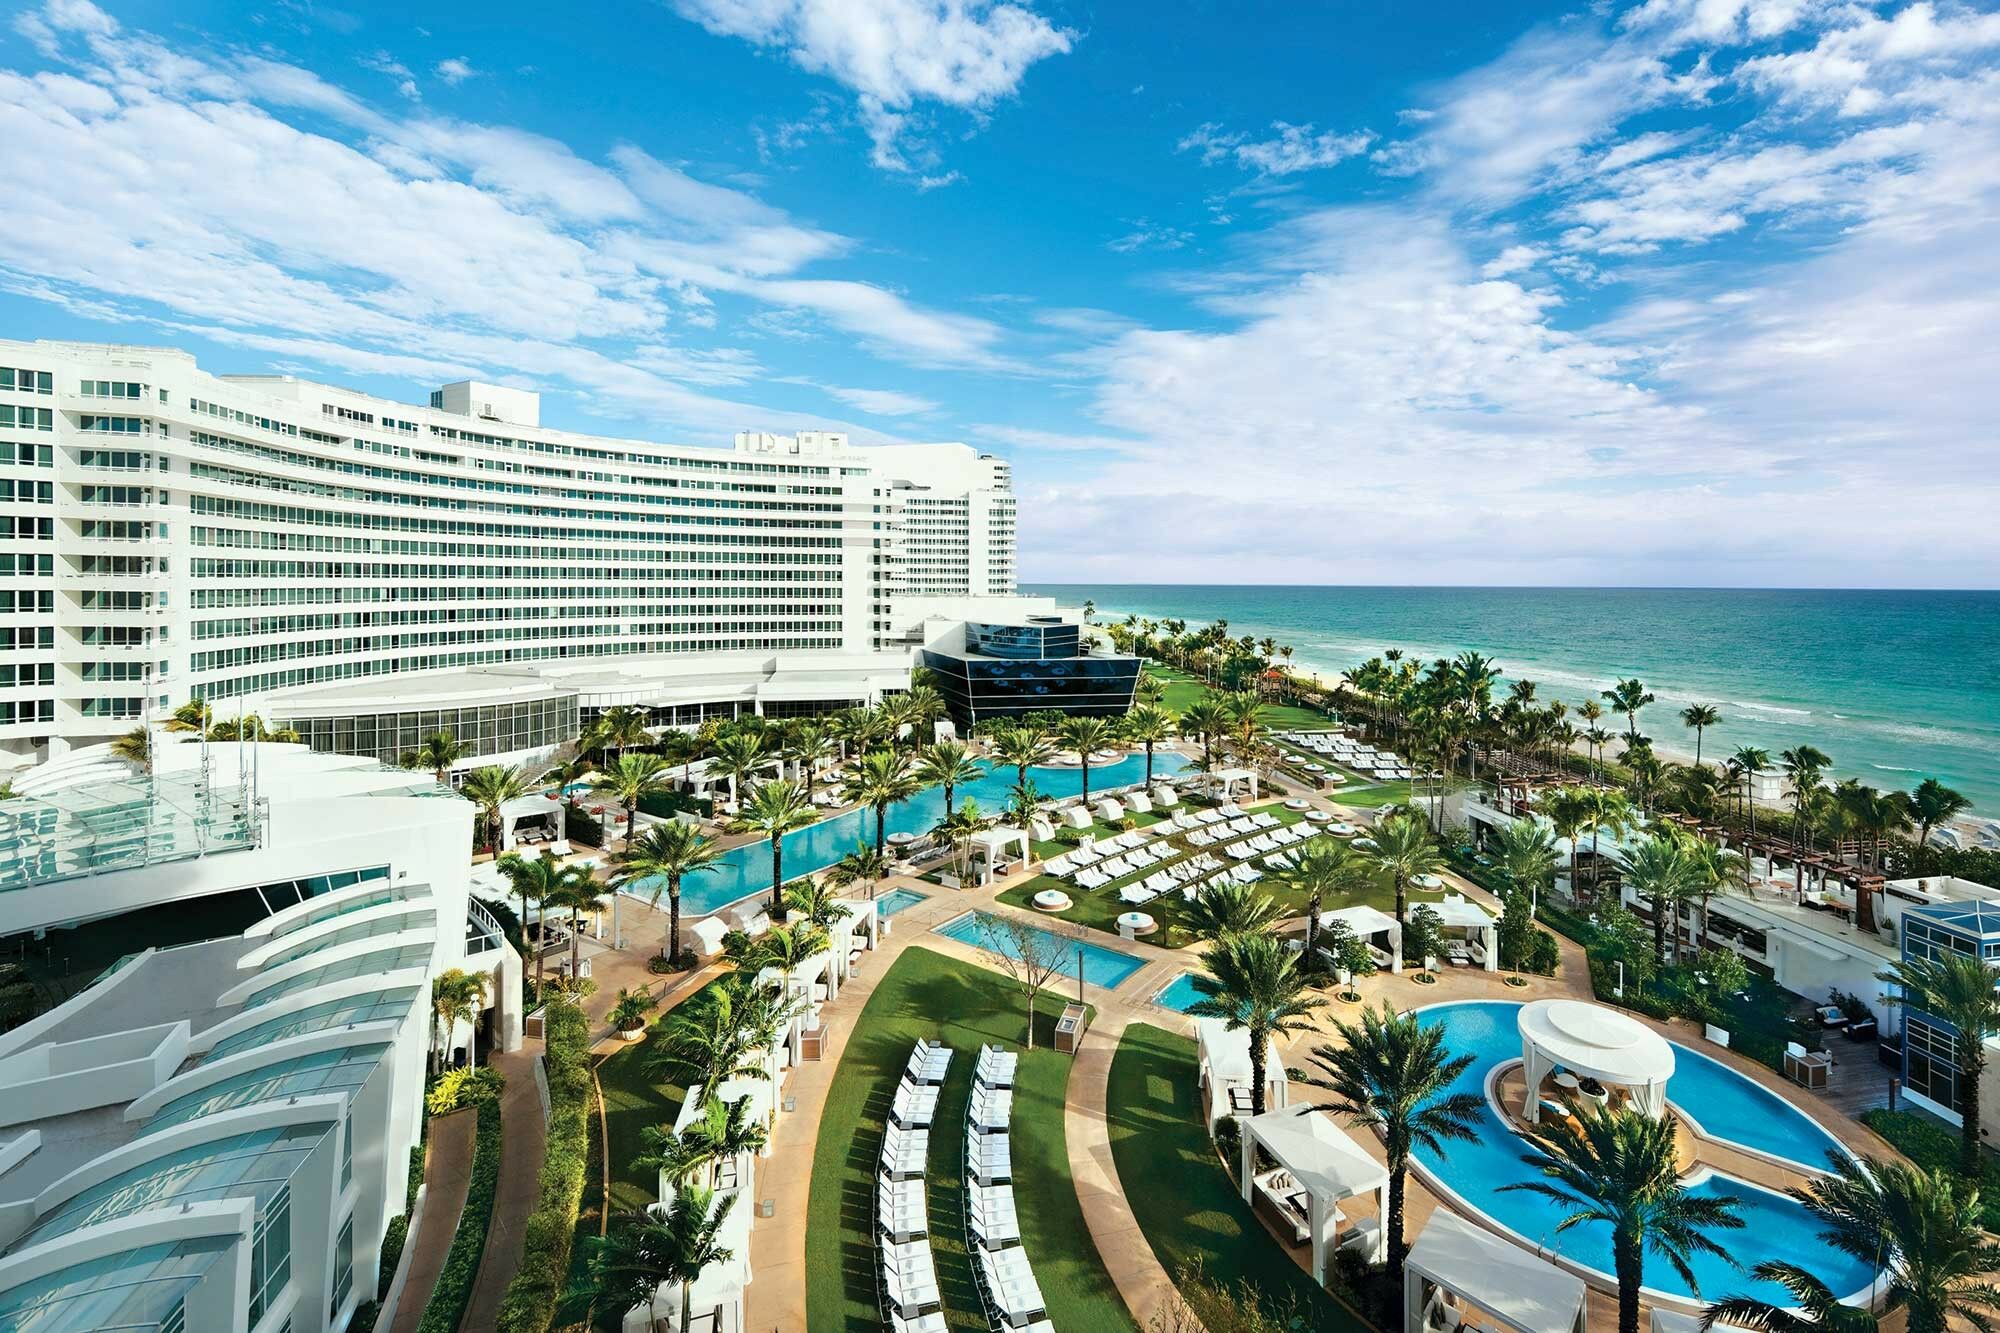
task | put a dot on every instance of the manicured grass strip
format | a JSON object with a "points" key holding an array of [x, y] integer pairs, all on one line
{"points": [[461, 1265], [530, 1303], [1184, 690], [962, 1005], [1933, 1145], [1185, 1202]]}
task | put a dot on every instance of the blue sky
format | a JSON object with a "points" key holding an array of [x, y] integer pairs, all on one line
{"points": [[1674, 291]]}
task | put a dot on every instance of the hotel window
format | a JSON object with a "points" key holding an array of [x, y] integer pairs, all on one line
{"points": [[27, 381], [271, 1253], [1933, 1071], [343, 1266]]}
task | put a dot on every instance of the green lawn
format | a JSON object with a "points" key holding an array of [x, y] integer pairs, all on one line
{"points": [[1184, 690], [632, 1101], [1185, 1202], [928, 995], [1933, 1144], [1099, 908]]}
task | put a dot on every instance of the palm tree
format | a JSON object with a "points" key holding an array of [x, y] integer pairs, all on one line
{"points": [[1404, 849], [1393, 1074], [1568, 811], [1619, 1168], [852, 726], [1716, 870], [774, 809], [919, 708], [1525, 851], [863, 865], [737, 755], [1659, 870], [1957, 988], [644, 1253], [1085, 735], [1323, 868], [540, 879], [438, 753], [1605, 811], [878, 780], [1749, 761], [722, 1131], [1699, 718], [1222, 907], [1922, 1227], [1254, 984], [657, 861], [957, 829], [1804, 767], [807, 744], [713, 1040], [194, 715], [1628, 697], [630, 779], [619, 729], [949, 765], [457, 997], [1204, 720], [1021, 748], [1148, 725], [490, 787], [813, 899], [135, 747], [1932, 803], [576, 893]]}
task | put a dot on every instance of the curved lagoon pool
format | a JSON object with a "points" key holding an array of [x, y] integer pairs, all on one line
{"points": [[1726, 1104], [747, 869]]}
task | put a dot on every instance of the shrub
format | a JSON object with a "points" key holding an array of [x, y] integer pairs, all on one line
{"points": [[582, 827], [364, 1318], [1544, 955], [461, 1087], [461, 1266], [416, 1180], [530, 1303], [393, 1240]]}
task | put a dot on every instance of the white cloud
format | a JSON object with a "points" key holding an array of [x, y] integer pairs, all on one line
{"points": [[1150, 236], [1514, 259], [455, 70], [1857, 68], [1296, 148], [896, 54], [883, 402]]}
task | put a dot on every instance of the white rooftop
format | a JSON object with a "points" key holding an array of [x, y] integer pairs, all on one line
{"points": [[1522, 1291], [1598, 1041]]}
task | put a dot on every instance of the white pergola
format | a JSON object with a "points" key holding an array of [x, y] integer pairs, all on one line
{"points": [[1367, 923], [1455, 1261], [990, 846], [1225, 780], [1457, 912], [535, 805], [1592, 1041], [862, 918], [1327, 1165], [1223, 1064]]}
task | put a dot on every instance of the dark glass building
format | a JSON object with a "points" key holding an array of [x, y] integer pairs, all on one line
{"points": [[1039, 665]]}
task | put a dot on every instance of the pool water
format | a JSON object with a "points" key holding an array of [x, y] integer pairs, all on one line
{"points": [[1101, 967], [746, 870], [1179, 994], [896, 900], [1775, 1227]]}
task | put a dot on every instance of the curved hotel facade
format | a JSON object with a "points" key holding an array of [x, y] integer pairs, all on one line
{"points": [[372, 572]]}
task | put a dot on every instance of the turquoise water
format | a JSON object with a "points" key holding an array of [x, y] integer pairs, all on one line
{"points": [[896, 900], [746, 870], [1895, 686], [1179, 994], [1774, 1226], [1101, 967], [1728, 1106]]}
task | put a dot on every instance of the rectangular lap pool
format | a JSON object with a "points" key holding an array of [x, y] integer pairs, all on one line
{"points": [[1101, 967], [1179, 994], [896, 900]]}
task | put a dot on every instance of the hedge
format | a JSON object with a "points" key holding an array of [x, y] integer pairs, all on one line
{"points": [[530, 1302], [461, 1267]]}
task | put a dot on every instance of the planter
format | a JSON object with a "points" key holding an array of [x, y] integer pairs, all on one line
{"points": [[1424, 979], [1517, 981], [632, 1034]]}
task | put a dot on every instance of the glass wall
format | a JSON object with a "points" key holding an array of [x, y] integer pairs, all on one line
{"points": [[488, 729], [977, 688]]}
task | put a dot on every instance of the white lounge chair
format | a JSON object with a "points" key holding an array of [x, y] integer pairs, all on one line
{"points": [[1060, 867], [1139, 802], [1076, 816], [996, 1067]]}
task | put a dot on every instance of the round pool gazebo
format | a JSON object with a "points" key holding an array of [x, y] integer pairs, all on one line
{"points": [[1592, 1041]]}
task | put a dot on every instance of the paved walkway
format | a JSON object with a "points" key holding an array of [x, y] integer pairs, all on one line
{"points": [[523, 1141], [447, 1175]]}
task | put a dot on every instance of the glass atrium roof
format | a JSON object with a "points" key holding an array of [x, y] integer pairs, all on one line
{"points": [[419, 916], [342, 1069], [118, 824], [367, 1007], [382, 960], [130, 1291]]}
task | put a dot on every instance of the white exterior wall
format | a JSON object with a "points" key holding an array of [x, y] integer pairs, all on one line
{"points": [[252, 534]]}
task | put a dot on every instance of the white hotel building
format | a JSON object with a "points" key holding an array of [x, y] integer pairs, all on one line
{"points": [[372, 572]]}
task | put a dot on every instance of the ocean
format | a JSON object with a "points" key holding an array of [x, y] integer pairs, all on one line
{"points": [[1894, 686]]}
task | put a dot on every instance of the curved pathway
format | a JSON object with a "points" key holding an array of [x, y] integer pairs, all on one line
{"points": [[447, 1178], [1123, 1247]]}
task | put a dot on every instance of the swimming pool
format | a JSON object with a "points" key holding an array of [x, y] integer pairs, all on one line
{"points": [[896, 900], [1179, 994], [1774, 1226], [746, 870], [1101, 967]]}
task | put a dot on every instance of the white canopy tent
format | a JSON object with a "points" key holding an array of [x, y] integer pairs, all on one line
{"points": [[1328, 1165], [990, 846], [1367, 923], [1455, 1263], [862, 920], [535, 805], [1223, 1067], [1457, 912], [1593, 1041]]}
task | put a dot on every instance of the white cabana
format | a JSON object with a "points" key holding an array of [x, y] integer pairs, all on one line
{"points": [[1109, 810], [533, 807], [1457, 912], [1368, 923], [1455, 1264], [990, 846], [1224, 781], [1592, 1041], [706, 935], [1224, 1074], [1138, 801], [1316, 1157]]}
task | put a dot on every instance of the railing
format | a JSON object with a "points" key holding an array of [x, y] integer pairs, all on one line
{"points": [[120, 826], [482, 929]]}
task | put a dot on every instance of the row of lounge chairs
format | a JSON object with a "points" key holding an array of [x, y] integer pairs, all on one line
{"points": [[1007, 1286], [1357, 755], [1110, 809], [907, 1273]]}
